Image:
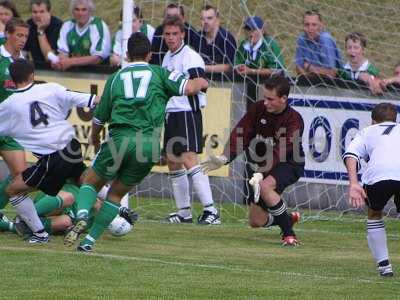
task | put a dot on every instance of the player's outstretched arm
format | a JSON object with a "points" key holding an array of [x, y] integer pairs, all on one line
{"points": [[357, 194], [194, 86], [213, 162]]}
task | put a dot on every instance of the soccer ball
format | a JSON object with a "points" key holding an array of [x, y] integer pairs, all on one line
{"points": [[119, 226]]}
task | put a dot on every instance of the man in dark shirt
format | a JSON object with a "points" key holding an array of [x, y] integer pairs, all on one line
{"points": [[43, 33], [158, 45], [218, 45], [272, 132]]}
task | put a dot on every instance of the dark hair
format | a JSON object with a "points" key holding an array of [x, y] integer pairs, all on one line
{"points": [[174, 21], [208, 7], [11, 6], [12, 25], [356, 36], [136, 10], [138, 46], [20, 70], [180, 7], [313, 12], [45, 2], [384, 112], [279, 83]]}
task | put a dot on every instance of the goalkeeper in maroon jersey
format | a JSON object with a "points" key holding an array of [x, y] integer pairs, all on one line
{"points": [[271, 130]]}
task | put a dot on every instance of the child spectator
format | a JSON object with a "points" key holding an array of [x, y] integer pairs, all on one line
{"points": [[258, 54], [358, 67]]}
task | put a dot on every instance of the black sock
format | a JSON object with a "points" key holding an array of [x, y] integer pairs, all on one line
{"points": [[282, 218], [383, 263]]}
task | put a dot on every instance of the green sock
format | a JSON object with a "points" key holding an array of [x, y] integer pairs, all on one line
{"points": [[6, 226], [104, 217], [85, 200], [48, 204], [3, 196], [47, 224]]}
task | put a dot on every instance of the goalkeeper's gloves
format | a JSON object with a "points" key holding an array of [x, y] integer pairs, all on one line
{"points": [[213, 162], [255, 183]]}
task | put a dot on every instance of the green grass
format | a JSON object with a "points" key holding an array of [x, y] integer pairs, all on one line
{"points": [[230, 261]]}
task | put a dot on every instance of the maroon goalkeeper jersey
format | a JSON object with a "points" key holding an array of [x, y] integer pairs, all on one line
{"points": [[270, 138]]}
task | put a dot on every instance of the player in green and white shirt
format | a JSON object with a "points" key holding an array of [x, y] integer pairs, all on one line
{"points": [[84, 40], [138, 25], [10, 150], [133, 104], [358, 67]]}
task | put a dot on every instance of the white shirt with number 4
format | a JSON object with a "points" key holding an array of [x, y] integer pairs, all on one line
{"points": [[379, 146], [35, 116]]}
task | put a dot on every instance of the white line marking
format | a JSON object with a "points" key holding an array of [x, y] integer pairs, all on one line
{"points": [[195, 265]]}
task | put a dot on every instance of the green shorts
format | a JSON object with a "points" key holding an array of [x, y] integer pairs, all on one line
{"points": [[127, 158], [9, 144]]}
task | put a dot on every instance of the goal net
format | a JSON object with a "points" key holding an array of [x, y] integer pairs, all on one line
{"points": [[333, 110]]}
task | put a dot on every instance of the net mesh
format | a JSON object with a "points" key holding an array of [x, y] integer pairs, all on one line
{"points": [[283, 21]]}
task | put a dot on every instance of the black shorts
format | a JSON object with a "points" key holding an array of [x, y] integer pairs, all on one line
{"points": [[183, 132], [380, 193], [51, 171], [285, 174]]}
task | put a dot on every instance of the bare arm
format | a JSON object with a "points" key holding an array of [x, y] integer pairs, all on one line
{"points": [[321, 71], [357, 194], [44, 45], [220, 68], [66, 63], [194, 86]]}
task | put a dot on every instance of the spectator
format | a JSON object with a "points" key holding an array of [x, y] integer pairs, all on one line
{"points": [[44, 30], [84, 40], [7, 12], [316, 52], [258, 54], [159, 47], [358, 67], [392, 80], [138, 25], [218, 45]]}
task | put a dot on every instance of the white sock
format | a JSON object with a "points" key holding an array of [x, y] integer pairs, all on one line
{"points": [[201, 186], [125, 201], [27, 211], [180, 189], [376, 236], [102, 195]]}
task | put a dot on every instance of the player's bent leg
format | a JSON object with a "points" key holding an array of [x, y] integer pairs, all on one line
{"points": [[258, 217], [104, 217], [15, 161], [86, 199], [377, 242], [278, 210], [18, 192]]}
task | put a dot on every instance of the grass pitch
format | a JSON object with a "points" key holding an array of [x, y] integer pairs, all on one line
{"points": [[231, 261]]}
